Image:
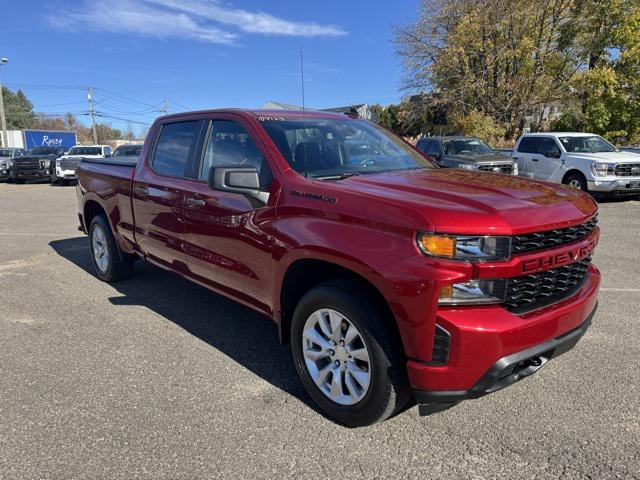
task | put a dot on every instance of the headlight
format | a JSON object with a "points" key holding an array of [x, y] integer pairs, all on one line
{"points": [[464, 247], [603, 169], [473, 292], [44, 163], [4, 164], [515, 168], [468, 167]]}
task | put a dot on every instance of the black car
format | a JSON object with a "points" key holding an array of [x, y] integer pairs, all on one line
{"points": [[466, 152], [38, 163], [6, 160]]}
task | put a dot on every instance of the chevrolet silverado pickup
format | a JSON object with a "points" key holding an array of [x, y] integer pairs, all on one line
{"points": [[390, 278]]}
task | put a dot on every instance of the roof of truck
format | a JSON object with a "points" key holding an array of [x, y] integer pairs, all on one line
{"points": [[559, 134], [263, 113]]}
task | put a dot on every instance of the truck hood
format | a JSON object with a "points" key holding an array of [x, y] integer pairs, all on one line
{"points": [[608, 157], [485, 158], [465, 202]]}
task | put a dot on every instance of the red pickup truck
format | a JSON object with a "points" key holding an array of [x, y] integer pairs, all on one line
{"points": [[390, 278]]}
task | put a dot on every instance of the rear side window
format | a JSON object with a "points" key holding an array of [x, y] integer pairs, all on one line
{"points": [[549, 146], [175, 148], [529, 145]]}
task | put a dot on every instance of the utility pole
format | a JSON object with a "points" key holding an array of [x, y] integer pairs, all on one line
{"points": [[92, 111], [3, 119], [165, 107]]}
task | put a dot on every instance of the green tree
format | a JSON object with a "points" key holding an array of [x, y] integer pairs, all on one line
{"points": [[18, 110]]}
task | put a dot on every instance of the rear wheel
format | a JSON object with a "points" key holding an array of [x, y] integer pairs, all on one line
{"points": [[576, 180], [347, 355], [109, 263]]}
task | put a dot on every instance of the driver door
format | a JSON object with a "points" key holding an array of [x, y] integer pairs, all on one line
{"points": [[228, 246], [549, 159]]}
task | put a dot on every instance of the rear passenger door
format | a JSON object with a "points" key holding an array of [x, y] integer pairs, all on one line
{"points": [[527, 156], [158, 193]]}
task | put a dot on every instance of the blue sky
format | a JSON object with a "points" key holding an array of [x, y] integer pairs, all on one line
{"points": [[200, 53]]}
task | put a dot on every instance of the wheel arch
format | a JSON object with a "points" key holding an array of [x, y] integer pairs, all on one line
{"points": [[303, 274]]}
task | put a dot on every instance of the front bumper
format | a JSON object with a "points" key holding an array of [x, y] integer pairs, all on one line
{"points": [[66, 174], [615, 185], [492, 348], [30, 174]]}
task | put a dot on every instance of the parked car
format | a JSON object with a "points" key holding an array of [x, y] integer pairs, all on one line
{"points": [[6, 160], [631, 149], [466, 152], [132, 151], [581, 160], [65, 168], [389, 278], [38, 163]]}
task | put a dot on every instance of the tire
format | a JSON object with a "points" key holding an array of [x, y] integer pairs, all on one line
{"points": [[54, 178], [109, 263], [19, 181], [576, 180], [349, 305]]}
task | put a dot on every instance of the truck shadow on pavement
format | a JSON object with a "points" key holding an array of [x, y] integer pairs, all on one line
{"points": [[243, 335]]}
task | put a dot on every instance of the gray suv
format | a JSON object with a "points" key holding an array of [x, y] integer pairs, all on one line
{"points": [[466, 152]]}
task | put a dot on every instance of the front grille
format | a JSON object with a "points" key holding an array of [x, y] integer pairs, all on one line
{"points": [[533, 242], [540, 289], [499, 167], [69, 164], [26, 164], [628, 170], [441, 345]]}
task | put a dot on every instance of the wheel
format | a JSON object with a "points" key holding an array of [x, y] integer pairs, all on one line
{"points": [[109, 263], [576, 180], [347, 355], [54, 178], [19, 181]]}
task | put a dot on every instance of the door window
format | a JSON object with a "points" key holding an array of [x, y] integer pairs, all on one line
{"points": [[549, 148], [434, 148], [529, 145], [422, 145], [176, 144], [230, 145]]}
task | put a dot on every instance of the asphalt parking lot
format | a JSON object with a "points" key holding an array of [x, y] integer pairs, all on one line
{"points": [[156, 377]]}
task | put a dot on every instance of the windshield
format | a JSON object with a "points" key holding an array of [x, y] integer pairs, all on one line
{"points": [[130, 150], [5, 152], [335, 147], [592, 144], [43, 151], [466, 146], [85, 151]]}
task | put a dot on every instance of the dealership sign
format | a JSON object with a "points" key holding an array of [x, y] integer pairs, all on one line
{"points": [[48, 138]]}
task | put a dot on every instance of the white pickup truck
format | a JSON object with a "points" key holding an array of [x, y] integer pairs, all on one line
{"points": [[582, 160], [66, 165]]}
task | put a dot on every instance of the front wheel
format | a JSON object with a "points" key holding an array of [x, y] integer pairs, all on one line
{"points": [[348, 356], [109, 263], [576, 180]]}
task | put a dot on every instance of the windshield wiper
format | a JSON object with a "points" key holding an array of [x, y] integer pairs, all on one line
{"points": [[338, 176]]}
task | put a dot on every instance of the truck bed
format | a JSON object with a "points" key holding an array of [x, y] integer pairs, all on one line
{"points": [[124, 162]]}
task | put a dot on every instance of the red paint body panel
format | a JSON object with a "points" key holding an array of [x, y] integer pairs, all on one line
{"points": [[369, 228]]}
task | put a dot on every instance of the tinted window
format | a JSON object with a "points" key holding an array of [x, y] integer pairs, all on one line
{"points": [[230, 144], [175, 147], [466, 146], [549, 146], [529, 145], [434, 148], [43, 151], [85, 151], [422, 145], [128, 150]]}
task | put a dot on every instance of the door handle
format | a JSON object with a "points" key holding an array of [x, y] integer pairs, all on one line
{"points": [[141, 191], [194, 202], [534, 159]]}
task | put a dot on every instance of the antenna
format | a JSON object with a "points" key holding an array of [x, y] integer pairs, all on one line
{"points": [[303, 110]]}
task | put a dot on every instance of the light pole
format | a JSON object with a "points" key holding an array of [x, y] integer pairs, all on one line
{"points": [[3, 120]]}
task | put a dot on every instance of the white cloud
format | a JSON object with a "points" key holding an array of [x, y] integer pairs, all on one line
{"points": [[203, 20]]}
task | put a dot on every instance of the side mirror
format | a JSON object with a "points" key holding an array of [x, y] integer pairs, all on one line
{"points": [[242, 180]]}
